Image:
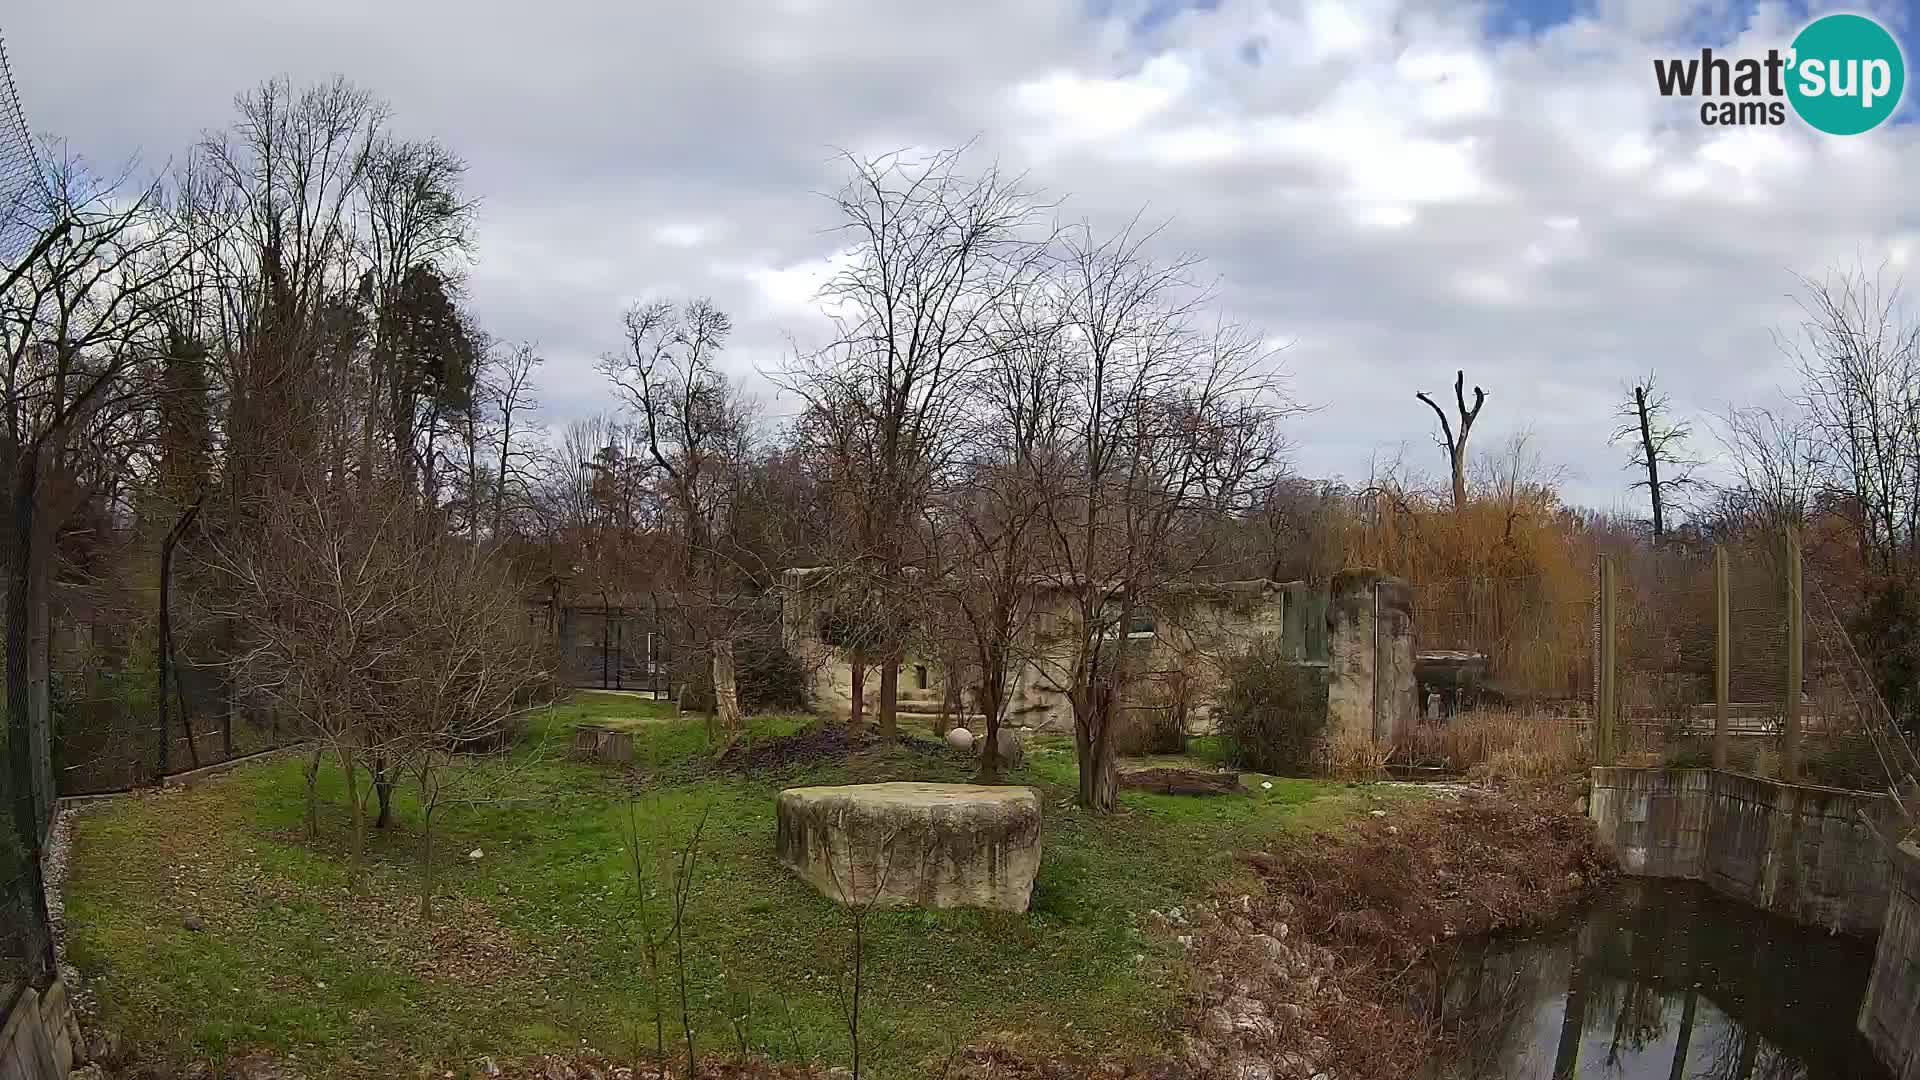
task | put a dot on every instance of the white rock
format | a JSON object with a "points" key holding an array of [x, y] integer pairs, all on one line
{"points": [[960, 739], [475, 853], [1266, 785]]}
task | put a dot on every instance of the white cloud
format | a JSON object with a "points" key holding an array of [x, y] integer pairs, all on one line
{"points": [[1402, 192]]}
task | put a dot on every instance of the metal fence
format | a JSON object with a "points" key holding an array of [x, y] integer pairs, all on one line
{"points": [[615, 647], [1669, 654], [107, 734]]}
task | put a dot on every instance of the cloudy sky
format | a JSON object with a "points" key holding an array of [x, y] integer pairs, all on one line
{"points": [[1397, 189]]}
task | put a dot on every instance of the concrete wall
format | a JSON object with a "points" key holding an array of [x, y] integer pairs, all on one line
{"points": [[1196, 629], [1370, 688], [1796, 850], [1890, 1013], [40, 1037]]}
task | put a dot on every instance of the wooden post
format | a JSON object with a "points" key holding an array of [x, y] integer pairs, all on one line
{"points": [[1607, 713], [1790, 750], [1722, 655]]}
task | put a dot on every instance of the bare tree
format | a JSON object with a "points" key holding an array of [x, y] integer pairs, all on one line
{"points": [[933, 252], [1858, 349], [1166, 425], [696, 428], [1456, 444], [1659, 448], [79, 338], [385, 638], [1775, 460]]}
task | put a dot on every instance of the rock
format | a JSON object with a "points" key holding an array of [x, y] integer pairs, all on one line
{"points": [[1012, 751], [1271, 946], [488, 1067], [960, 739], [1248, 1067], [1239, 1016], [103, 1046], [195, 924], [475, 853], [934, 845]]}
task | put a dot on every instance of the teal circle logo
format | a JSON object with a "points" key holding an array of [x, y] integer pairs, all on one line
{"points": [[1847, 74]]}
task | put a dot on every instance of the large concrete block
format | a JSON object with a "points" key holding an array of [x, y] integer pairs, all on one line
{"points": [[932, 845]]}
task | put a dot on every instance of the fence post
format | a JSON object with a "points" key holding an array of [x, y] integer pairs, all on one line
{"points": [[1607, 710], [1722, 655], [1796, 628]]}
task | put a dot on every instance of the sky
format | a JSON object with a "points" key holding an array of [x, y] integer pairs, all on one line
{"points": [[1387, 190]]}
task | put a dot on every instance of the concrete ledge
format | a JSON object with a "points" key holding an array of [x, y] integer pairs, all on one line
{"points": [[1797, 850], [1890, 1012]]}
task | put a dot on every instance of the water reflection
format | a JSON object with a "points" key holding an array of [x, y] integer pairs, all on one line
{"points": [[1664, 981]]}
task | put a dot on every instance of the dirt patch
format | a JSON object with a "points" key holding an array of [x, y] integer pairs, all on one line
{"points": [[817, 745]]}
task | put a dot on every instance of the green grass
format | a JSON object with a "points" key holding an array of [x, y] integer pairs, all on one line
{"points": [[531, 947]]}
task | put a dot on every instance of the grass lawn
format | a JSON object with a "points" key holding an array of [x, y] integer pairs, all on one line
{"points": [[532, 946]]}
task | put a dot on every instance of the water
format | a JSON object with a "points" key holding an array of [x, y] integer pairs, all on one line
{"points": [[1660, 980]]}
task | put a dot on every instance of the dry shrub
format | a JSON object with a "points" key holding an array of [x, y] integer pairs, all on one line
{"points": [[1387, 889], [1501, 746], [1350, 757], [1317, 972]]}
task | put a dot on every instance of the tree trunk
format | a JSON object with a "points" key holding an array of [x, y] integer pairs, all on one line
{"points": [[889, 697], [991, 694], [1648, 451], [949, 701], [857, 710], [726, 690], [358, 814], [313, 795], [1099, 775], [383, 791], [426, 861]]}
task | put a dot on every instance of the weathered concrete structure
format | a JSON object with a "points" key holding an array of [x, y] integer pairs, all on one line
{"points": [[1177, 649], [1793, 849], [934, 845], [1797, 850], [1890, 1014], [1361, 629], [1370, 686]]}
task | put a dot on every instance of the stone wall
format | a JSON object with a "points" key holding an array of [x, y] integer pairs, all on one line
{"points": [[40, 1037], [1797, 850], [1890, 1013]]}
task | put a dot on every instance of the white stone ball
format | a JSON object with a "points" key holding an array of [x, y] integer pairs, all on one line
{"points": [[960, 739]]}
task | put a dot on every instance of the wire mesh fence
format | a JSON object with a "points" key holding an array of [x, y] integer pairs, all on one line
{"points": [[1690, 641], [20, 177], [1519, 641], [107, 733]]}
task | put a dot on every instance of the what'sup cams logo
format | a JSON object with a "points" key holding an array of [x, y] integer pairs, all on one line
{"points": [[1843, 75]]}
